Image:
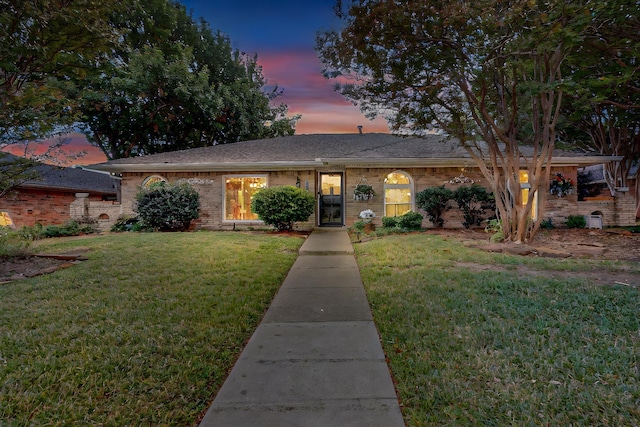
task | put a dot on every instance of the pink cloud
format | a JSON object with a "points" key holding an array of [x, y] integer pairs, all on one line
{"points": [[308, 93]]}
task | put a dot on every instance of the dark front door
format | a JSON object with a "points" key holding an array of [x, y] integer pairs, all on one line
{"points": [[330, 199]]}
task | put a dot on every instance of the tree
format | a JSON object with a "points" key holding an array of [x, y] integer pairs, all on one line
{"points": [[485, 72], [176, 84], [44, 45], [603, 112]]}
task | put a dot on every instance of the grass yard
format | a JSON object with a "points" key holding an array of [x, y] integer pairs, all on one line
{"points": [[489, 348], [143, 333]]}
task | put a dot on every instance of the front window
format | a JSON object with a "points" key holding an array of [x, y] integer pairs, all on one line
{"points": [[5, 219], [525, 188], [238, 193], [398, 194]]}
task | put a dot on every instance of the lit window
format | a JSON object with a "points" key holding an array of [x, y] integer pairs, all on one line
{"points": [[5, 219], [238, 192], [398, 194], [525, 188], [154, 179]]}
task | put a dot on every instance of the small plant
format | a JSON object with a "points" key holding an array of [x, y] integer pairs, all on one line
{"points": [[13, 244], [410, 221], [367, 215], [363, 192], [495, 226], [282, 206], [560, 185], [168, 207], [434, 201], [127, 223], [547, 224], [576, 221]]}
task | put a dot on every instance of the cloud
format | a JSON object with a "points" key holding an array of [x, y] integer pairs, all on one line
{"points": [[307, 92]]}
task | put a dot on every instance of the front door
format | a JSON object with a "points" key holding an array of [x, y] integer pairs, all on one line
{"points": [[330, 199]]}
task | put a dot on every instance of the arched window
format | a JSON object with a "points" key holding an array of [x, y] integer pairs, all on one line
{"points": [[153, 179], [398, 194]]}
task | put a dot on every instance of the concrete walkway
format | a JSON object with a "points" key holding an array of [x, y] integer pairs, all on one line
{"points": [[316, 359]]}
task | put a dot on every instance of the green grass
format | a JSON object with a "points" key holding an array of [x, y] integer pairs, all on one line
{"points": [[494, 348], [143, 333]]}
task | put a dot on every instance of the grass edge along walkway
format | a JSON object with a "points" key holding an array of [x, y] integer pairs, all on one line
{"points": [[493, 348], [142, 333]]}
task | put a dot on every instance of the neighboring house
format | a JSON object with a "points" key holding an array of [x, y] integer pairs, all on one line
{"points": [[61, 194], [331, 167]]}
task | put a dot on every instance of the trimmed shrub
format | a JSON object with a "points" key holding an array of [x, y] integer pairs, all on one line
{"points": [[389, 221], [167, 207], [410, 221], [434, 201], [282, 206], [474, 201], [576, 221]]}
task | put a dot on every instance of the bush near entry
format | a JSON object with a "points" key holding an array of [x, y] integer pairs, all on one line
{"points": [[168, 207], [282, 206]]}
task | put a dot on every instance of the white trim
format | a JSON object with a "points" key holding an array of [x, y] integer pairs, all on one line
{"points": [[224, 197]]}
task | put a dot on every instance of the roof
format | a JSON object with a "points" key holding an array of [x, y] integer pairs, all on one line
{"points": [[305, 151], [73, 179]]}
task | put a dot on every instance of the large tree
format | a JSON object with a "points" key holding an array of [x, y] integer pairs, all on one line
{"points": [[176, 84], [47, 47], [486, 72], [603, 111]]}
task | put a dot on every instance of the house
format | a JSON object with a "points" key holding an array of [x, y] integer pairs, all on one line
{"points": [[61, 194], [331, 166]]}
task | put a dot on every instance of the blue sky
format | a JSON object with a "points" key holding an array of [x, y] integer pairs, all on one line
{"points": [[282, 34]]}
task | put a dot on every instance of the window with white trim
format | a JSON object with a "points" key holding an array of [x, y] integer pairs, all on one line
{"points": [[238, 193], [398, 194]]}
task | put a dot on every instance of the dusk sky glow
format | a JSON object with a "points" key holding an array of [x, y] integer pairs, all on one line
{"points": [[282, 34]]}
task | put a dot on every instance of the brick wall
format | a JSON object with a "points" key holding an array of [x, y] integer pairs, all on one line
{"points": [[30, 206]]}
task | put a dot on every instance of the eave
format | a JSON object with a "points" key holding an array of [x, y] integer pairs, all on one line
{"points": [[320, 162]]}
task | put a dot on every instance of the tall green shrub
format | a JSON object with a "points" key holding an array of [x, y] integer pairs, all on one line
{"points": [[168, 207], [474, 201], [282, 206], [434, 201]]}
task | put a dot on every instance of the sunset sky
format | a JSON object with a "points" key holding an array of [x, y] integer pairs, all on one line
{"points": [[282, 35]]}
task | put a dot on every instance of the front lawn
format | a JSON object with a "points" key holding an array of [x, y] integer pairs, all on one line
{"points": [[143, 333], [491, 347]]}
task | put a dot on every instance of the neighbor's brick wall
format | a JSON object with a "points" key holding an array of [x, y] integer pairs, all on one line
{"points": [[105, 212], [28, 207]]}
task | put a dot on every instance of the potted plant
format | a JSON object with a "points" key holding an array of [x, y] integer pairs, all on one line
{"points": [[560, 185], [363, 192]]}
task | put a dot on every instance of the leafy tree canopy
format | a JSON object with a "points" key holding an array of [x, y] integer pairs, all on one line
{"points": [[489, 73]]}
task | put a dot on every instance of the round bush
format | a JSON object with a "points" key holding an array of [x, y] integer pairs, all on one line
{"points": [[168, 207], [281, 207]]}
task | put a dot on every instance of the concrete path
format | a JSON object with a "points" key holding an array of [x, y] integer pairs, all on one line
{"points": [[316, 359]]}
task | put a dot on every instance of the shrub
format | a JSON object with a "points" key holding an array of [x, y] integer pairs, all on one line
{"points": [[13, 244], [389, 221], [168, 207], [576, 221], [547, 224], [127, 223], [474, 201], [282, 206], [495, 226], [410, 221], [434, 201], [69, 228]]}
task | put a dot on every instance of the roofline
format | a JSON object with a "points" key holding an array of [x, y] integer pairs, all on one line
{"points": [[350, 161], [63, 189]]}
